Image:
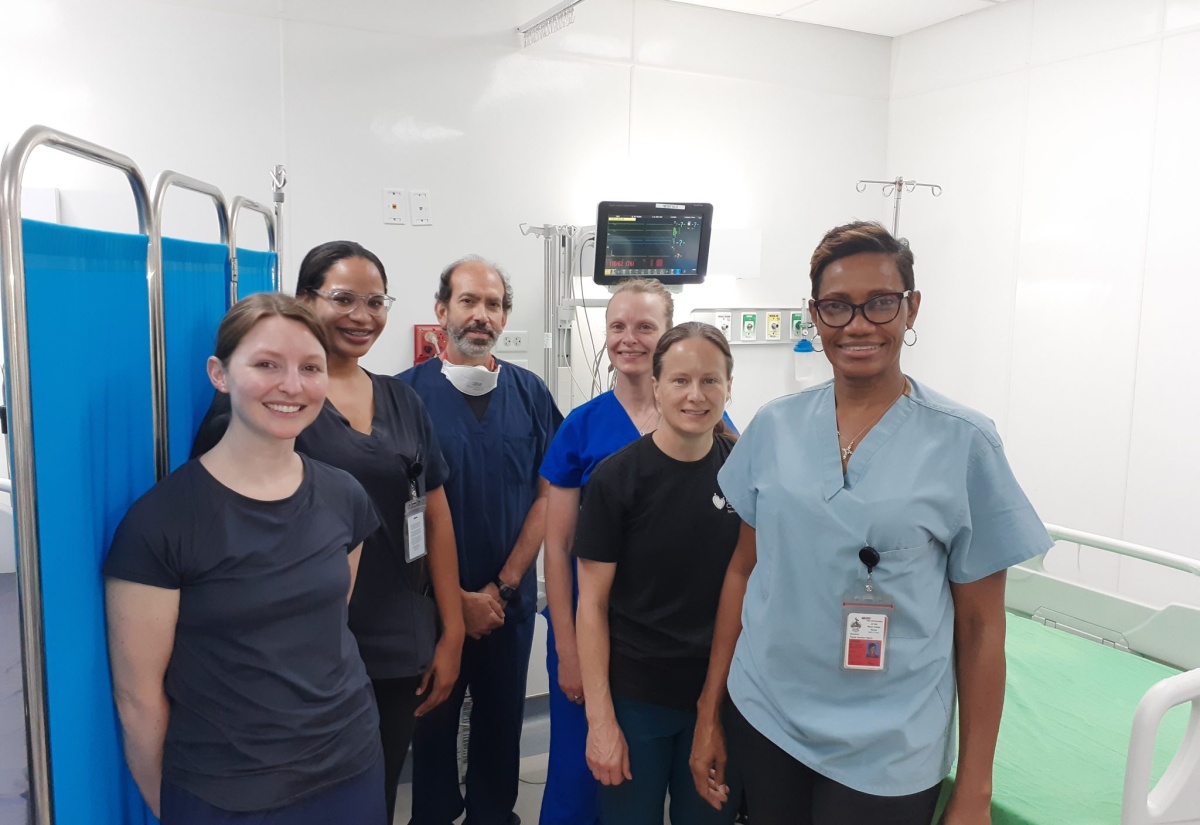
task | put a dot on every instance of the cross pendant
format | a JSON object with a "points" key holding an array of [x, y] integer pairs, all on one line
{"points": [[846, 451]]}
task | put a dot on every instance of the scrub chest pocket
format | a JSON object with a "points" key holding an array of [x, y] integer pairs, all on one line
{"points": [[920, 573]]}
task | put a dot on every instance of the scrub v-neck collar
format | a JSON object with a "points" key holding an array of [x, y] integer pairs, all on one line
{"points": [[833, 480]]}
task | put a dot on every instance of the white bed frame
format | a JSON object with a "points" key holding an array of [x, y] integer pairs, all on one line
{"points": [[1170, 635]]}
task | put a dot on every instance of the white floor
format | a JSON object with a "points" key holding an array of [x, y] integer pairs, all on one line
{"points": [[529, 797]]}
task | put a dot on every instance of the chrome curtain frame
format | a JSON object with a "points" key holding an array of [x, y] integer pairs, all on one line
{"points": [[24, 475], [235, 211], [158, 331]]}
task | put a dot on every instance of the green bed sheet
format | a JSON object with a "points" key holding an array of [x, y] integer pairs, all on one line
{"points": [[1068, 713]]}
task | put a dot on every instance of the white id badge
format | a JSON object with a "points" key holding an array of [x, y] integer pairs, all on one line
{"points": [[866, 619], [414, 529]]}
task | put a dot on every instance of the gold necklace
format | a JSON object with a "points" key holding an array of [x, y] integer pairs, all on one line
{"points": [[848, 450]]}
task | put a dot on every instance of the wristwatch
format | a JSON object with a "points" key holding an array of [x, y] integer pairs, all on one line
{"points": [[507, 592]]}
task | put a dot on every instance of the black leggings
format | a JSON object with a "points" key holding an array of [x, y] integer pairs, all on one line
{"points": [[781, 790], [396, 699]]}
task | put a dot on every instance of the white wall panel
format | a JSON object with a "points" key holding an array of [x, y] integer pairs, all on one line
{"points": [[496, 135], [1083, 222], [1181, 14], [729, 44], [1164, 466], [1069, 28], [770, 158], [124, 75], [968, 139], [972, 47]]}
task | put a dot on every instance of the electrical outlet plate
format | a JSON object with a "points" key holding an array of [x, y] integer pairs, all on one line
{"points": [[422, 211], [725, 324], [513, 340], [395, 207], [774, 326], [749, 326]]}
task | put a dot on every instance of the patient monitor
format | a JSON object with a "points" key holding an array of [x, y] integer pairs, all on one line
{"points": [[660, 240]]}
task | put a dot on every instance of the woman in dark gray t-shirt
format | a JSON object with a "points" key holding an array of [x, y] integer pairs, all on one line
{"points": [[239, 686], [406, 613]]}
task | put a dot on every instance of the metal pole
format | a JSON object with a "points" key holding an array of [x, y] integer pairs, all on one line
{"points": [[158, 332], [548, 351], [21, 457], [278, 181], [896, 208], [235, 211]]}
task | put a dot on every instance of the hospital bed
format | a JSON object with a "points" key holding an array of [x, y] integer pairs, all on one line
{"points": [[1102, 706]]}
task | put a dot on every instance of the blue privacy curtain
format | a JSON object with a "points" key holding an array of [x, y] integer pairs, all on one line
{"points": [[89, 357], [254, 271], [195, 297]]}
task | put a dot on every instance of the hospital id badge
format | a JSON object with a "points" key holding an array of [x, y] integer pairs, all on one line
{"points": [[866, 619], [414, 529]]}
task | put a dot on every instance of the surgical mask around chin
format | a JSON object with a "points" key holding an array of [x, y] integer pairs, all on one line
{"points": [[471, 380]]}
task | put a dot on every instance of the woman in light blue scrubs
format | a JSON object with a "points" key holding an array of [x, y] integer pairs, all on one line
{"points": [[866, 595]]}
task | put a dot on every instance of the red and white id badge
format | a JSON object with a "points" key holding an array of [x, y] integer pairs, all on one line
{"points": [[866, 619]]}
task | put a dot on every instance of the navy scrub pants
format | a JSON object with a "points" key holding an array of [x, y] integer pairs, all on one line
{"points": [[495, 668]]}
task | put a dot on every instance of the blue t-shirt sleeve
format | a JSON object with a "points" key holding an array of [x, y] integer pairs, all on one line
{"points": [[1000, 527], [563, 464], [737, 477]]}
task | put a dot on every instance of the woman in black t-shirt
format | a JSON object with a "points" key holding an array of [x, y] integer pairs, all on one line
{"points": [[240, 689], [653, 542]]}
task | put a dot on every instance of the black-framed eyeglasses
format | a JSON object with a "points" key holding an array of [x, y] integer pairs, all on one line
{"points": [[882, 309], [343, 300]]}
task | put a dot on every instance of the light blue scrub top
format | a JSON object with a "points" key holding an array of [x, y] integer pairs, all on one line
{"points": [[930, 489]]}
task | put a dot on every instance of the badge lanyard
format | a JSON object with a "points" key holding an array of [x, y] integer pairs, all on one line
{"points": [[866, 617], [414, 516]]}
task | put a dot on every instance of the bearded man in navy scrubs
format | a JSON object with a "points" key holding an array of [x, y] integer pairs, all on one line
{"points": [[494, 421]]}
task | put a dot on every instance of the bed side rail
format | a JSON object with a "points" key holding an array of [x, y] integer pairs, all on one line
{"points": [[1110, 619]]}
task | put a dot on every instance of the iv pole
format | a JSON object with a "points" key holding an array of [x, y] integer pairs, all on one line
{"points": [[562, 246], [896, 189]]}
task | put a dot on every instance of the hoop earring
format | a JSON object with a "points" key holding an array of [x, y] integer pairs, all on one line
{"points": [[907, 342], [817, 340]]}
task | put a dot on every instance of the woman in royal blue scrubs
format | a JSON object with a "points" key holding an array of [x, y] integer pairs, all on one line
{"points": [[639, 312]]}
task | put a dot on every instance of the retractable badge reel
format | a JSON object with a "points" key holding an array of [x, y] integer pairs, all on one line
{"points": [[866, 617], [414, 516]]}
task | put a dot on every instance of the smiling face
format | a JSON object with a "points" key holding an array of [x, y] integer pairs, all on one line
{"points": [[474, 317], [350, 335], [276, 378], [861, 350], [634, 323], [692, 387]]}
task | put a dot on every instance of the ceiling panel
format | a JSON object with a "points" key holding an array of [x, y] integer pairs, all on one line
{"points": [[770, 8], [890, 18]]}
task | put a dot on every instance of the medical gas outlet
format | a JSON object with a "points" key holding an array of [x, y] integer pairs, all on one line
{"points": [[755, 325]]}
